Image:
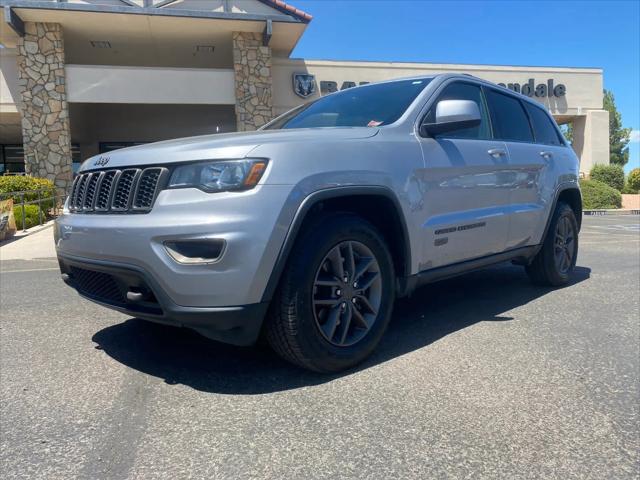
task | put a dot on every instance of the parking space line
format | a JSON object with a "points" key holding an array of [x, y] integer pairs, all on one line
{"points": [[608, 243], [29, 270]]}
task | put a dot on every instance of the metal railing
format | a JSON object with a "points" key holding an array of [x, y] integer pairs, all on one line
{"points": [[53, 195]]}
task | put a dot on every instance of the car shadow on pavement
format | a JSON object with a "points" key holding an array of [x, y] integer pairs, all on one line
{"points": [[179, 356]]}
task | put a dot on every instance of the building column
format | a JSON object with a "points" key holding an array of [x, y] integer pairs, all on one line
{"points": [[45, 113], [591, 139], [254, 90]]}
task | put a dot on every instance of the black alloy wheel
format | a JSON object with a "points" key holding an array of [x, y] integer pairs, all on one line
{"points": [[347, 293], [335, 297]]}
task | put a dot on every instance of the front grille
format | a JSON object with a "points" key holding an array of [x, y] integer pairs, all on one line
{"points": [[147, 186], [103, 200], [117, 191], [124, 188], [79, 196], [90, 191]]}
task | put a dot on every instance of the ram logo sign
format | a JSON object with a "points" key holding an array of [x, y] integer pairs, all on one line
{"points": [[304, 84]]}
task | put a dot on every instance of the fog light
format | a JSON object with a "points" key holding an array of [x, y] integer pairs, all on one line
{"points": [[200, 251]]}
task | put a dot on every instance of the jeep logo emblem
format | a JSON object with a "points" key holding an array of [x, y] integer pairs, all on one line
{"points": [[101, 161]]}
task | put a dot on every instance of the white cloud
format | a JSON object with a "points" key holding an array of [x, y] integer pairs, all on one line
{"points": [[634, 137]]}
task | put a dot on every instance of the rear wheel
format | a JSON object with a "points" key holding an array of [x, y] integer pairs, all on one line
{"points": [[556, 260], [335, 298]]}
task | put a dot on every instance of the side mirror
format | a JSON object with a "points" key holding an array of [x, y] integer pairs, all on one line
{"points": [[452, 115]]}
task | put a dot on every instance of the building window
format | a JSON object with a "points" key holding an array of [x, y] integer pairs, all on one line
{"points": [[12, 159], [76, 157]]}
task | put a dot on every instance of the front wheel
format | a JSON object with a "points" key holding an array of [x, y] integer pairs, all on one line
{"points": [[335, 298], [556, 260]]}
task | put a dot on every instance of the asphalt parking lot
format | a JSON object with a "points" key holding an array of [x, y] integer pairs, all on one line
{"points": [[483, 376]]}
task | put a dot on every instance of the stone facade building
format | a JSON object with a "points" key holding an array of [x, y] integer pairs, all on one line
{"points": [[252, 70], [83, 77], [45, 115]]}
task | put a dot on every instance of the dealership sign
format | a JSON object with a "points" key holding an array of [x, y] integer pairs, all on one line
{"points": [[304, 85], [531, 89]]}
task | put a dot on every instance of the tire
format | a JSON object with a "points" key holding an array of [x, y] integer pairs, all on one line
{"points": [[555, 261], [305, 331]]}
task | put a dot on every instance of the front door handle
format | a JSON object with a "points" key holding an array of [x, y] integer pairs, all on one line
{"points": [[497, 152], [546, 155]]}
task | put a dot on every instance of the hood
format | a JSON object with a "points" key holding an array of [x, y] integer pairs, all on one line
{"points": [[218, 146]]}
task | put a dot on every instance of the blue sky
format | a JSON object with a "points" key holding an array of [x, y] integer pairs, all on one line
{"points": [[601, 34]]}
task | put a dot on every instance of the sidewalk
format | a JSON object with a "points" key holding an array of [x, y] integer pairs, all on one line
{"points": [[38, 244]]}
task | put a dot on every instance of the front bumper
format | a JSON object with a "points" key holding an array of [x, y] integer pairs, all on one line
{"points": [[251, 224], [121, 260], [133, 291]]}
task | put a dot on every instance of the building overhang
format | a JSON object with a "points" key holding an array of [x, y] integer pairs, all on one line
{"points": [[161, 28]]}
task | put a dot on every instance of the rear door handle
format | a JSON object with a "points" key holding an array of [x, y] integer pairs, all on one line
{"points": [[546, 155], [497, 152]]}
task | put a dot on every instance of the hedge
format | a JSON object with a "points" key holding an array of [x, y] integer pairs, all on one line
{"points": [[596, 195], [20, 183], [612, 175], [32, 216], [633, 181]]}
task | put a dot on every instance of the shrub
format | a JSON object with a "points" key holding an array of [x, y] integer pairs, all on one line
{"points": [[597, 194], [612, 175], [20, 183], [32, 216], [633, 181]]}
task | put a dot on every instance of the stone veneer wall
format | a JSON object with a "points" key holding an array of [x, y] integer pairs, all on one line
{"points": [[254, 91], [45, 114]]}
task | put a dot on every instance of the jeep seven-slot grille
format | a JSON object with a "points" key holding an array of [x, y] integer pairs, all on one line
{"points": [[90, 191], [121, 191], [146, 192], [124, 188]]}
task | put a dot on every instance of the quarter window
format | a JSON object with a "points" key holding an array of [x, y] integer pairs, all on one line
{"points": [[543, 128], [508, 118], [463, 91]]}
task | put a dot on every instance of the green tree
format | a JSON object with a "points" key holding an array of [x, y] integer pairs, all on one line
{"points": [[567, 131], [618, 136]]}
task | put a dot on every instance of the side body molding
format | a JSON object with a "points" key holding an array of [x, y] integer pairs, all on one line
{"points": [[314, 199], [521, 256]]}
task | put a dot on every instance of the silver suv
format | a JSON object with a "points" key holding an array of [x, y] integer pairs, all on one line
{"points": [[306, 231]]}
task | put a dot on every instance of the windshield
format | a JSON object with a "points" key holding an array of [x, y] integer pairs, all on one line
{"points": [[370, 106]]}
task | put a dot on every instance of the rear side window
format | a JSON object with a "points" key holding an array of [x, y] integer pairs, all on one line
{"points": [[508, 118], [543, 128], [463, 91]]}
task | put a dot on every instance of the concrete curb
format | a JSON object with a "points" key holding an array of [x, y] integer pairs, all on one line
{"points": [[611, 211], [36, 243], [32, 230], [20, 234]]}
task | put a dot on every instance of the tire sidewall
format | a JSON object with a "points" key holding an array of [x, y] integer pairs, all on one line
{"points": [[309, 252], [556, 276]]}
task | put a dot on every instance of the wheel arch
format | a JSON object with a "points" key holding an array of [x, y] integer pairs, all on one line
{"points": [[377, 204], [571, 196]]}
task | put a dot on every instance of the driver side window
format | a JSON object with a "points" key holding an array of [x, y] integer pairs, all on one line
{"points": [[463, 91]]}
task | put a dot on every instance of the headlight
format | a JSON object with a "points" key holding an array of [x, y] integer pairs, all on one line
{"points": [[219, 175]]}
